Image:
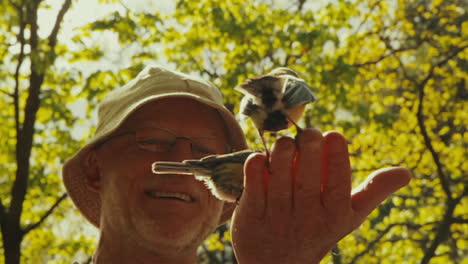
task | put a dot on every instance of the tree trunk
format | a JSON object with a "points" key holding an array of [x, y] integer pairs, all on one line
{"points": [[11, 244]]}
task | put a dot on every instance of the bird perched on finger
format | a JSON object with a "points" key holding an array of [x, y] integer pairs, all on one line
{"points": [[223, 174], [275, 101]]}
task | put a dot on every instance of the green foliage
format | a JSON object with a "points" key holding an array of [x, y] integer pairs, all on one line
{"points": [[390, 75], [30, 77]]}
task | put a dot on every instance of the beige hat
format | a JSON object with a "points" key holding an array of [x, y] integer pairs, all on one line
{"points": [[150, 84]]}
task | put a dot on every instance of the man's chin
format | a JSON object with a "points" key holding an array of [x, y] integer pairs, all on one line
{"points": [[172, 233], [172, 244]]}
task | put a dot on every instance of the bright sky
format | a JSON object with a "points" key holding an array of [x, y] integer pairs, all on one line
{"points": [[85, 11]]}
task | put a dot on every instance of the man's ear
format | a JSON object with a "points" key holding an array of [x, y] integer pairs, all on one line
{"points": [[93, 177]]}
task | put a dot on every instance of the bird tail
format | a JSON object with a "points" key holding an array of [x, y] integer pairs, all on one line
{"points": [[163, 167]]}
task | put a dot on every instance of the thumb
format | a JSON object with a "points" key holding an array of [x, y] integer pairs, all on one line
{"points": [[377, 187]]}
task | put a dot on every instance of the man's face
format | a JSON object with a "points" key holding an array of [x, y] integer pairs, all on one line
{"points": [[143, 208]]}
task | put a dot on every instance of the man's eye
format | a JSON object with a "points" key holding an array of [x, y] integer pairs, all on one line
{"points": [[150, 141], [201, 152], [153, 144], [203, 149]]}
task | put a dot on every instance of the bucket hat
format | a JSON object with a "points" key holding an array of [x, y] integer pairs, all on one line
{"points": [[152, 83]]}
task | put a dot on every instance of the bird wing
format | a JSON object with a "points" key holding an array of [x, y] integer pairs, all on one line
{"points": [[248, 107], [254, 86], [214, 160], [203, 167], [283, 71], [297, 92]]}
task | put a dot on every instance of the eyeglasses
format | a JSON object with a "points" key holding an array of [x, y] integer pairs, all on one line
{"points": [[159, 140]]}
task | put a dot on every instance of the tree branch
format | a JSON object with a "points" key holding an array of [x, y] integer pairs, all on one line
{"points": [[89, 260], [381, 234], [25, 136], [442, 232], [300, 5], [463, 194], [459, 220], [393, 52], [46, 214], [3, 91], [58, 21], [420, 117], [15, 5], [366, 16], [125, 6], [444, 226], [3, 214], [22, 41]]}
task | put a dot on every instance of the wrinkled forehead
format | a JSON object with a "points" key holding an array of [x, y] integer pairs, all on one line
{"points": [[178, 113]]}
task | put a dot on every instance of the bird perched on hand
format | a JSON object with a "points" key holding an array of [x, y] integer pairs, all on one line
{"points": [[275, 101], [223, 174]]}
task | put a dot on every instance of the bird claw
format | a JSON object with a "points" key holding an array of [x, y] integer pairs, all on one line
{"points": [[299, 129]]}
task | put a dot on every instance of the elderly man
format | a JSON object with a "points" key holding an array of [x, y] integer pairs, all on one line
{"points": [[294, 212]]}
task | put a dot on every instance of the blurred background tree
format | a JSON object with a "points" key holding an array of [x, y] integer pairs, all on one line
{"points": [[391, 75]]}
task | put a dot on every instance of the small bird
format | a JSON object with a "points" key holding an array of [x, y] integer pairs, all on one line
{"points": [[222, 174], [275, 101]]}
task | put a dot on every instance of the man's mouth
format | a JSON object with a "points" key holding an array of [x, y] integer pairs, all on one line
{"points": [[169, 195]]}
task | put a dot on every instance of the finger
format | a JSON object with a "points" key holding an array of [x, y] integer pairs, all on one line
{"points": [[254, 194], [308, 169], [279, 181], [376, 188], [336, 186]]}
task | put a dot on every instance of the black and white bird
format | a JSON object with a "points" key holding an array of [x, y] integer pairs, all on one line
{"points": [[223, 174], [275, 101]]}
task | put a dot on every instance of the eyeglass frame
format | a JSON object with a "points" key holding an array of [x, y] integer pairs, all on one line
{"points": [[228, 148]]}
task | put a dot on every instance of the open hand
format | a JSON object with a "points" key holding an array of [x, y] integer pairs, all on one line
{"points": [[299, 211]]}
